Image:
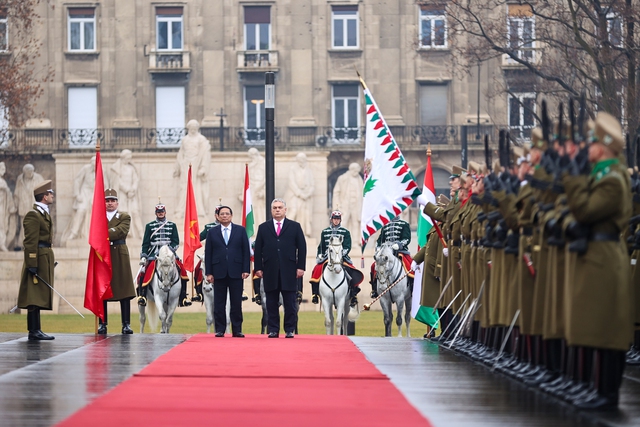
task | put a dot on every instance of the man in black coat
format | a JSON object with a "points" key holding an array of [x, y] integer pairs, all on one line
{"points": [[279, 258], [227, 264]]}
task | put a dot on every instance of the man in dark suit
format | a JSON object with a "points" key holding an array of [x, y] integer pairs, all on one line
{"points": [[279, 258], [227, 264]]}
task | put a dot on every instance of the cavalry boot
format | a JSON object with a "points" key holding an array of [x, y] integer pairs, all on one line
{"points": [[183, 301], [125, 310], [354, 299], [198, 296], [315, 292], [36, 334], [142, 296], [374, 286]]}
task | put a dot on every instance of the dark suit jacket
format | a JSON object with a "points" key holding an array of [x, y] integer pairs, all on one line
{"points": [[227, 260], [282, 254]]}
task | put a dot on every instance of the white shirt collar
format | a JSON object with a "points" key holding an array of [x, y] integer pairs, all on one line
{"points": [[43, 206], [275, 223], [110, 215]]}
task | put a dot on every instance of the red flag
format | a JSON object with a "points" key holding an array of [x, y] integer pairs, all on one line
{"points": [[191, 229], [99, 270]]}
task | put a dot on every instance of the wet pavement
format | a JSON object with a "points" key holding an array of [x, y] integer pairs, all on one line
{"points": [[42, 383]]}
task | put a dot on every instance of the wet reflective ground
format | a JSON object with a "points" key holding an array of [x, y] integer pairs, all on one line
{"points": [[42, 383]]}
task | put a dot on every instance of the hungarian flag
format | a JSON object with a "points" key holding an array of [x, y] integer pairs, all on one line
{"points": [[247, 205], [429, 190], [421, 313], [389, 185], [99, 270], [191, 229]]}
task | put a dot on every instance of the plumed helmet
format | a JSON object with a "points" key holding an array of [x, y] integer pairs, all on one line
{"points": [[336, 214]]}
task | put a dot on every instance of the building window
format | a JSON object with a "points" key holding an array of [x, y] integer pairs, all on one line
{"points": [[521, 28], [615, 29], [257, 27], [82, 116], [522, 108], [345, 100], [254, 115], [4, 33], [345, 27], [82, 29], [169, 28], [170, 115], [433, 27]]}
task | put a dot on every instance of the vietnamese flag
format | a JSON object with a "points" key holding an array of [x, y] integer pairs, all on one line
{"points": [[191, 229], [99, 270]]}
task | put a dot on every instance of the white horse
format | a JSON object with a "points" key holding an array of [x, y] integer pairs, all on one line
{"points": [[166, 287], [389, 269], [207, 294], [334, 289]]}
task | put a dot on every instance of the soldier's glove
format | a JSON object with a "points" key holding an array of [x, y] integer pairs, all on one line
{"points": [[395, 247], [143, 261], [299, 297], [319, 259], [422, 200], [445, 252], [257, 299], [33, 270]]}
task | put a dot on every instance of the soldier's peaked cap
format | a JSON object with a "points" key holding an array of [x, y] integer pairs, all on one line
{"points": [[110, 193], [45, 187]]}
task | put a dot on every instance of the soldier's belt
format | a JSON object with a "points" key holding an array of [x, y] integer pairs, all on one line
{"points": [[44, 244], [467, 241], [604, 237], [456, 243], [118, 242], [526, 231]]}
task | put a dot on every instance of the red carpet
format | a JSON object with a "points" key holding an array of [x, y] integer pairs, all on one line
{"points": [[310, 380]]}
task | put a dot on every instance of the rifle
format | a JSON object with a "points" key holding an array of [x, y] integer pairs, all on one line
{"points": [[561, 125], [582, 114], [487, 153], [501, 143], [572, 120], [628, 151], [545, 122]]}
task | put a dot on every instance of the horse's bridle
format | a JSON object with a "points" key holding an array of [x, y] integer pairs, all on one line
{"points": [[330, 264], [161, 282]]}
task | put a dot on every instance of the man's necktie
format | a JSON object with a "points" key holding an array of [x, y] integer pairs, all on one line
{"points": [[226, 235], [278, 229]]}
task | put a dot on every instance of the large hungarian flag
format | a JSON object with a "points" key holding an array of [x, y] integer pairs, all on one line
{"points": [[191, 229], [389, 185], [247, 204], [425, 223], [99, 269]]}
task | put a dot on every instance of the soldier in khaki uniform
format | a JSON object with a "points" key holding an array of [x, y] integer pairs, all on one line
{"points": [[38, 259], [122, 279], [599, 313]]}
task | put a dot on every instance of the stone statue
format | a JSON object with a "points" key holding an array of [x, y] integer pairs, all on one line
{"points": [[124, 178], [7, 211], [195, 150], [299, 192], [347, 198], [83, 184], [23, 195], [257, 181]]}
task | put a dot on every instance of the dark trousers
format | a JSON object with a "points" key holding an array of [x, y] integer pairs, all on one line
{"points": [[220, 288], [289, 304], [125, 312]]}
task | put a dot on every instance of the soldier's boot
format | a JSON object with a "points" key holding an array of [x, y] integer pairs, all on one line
{"points": [[353, 292], [374, 286], [125, 310], [198, 296], [141, 291], [315, 292], [183, 301], [35, 333], [102, 322]]}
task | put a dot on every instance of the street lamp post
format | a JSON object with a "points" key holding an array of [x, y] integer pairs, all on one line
{"points": [[269, 107], [222, 115]]}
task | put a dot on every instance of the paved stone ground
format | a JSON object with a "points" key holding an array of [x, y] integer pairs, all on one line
{"points": [[42, 383]]}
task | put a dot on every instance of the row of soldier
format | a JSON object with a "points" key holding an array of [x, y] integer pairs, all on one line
{"points": [[536, 263]]}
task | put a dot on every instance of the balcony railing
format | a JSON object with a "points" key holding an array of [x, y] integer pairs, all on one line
{"points": [[257, 60], [48, 141], [169, 62]]}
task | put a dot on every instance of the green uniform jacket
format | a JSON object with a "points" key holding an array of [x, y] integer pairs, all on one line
{"points": [[396, 231], [122, 279], [156, 235], [428, 256], [326, 235], [599, 312], [203, 233], [38, 228]]}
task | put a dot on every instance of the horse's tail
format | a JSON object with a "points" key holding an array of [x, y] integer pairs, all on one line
{"points": [[152, 315], [354, 313]]}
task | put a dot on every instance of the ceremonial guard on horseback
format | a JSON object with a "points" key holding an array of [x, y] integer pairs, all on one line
{"points": [[398, 234], [157, 234], [354, 276]]}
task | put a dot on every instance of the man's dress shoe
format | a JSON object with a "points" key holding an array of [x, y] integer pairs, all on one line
{"points": [[273, 335], [219, 334], [39, 336], [238, 335], [289, 335]]}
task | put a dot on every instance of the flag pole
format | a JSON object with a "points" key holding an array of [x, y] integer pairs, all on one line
{"points": [[95, 325]]}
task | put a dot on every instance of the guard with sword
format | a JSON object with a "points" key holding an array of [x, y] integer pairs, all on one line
{"points": [[34, 295]]}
